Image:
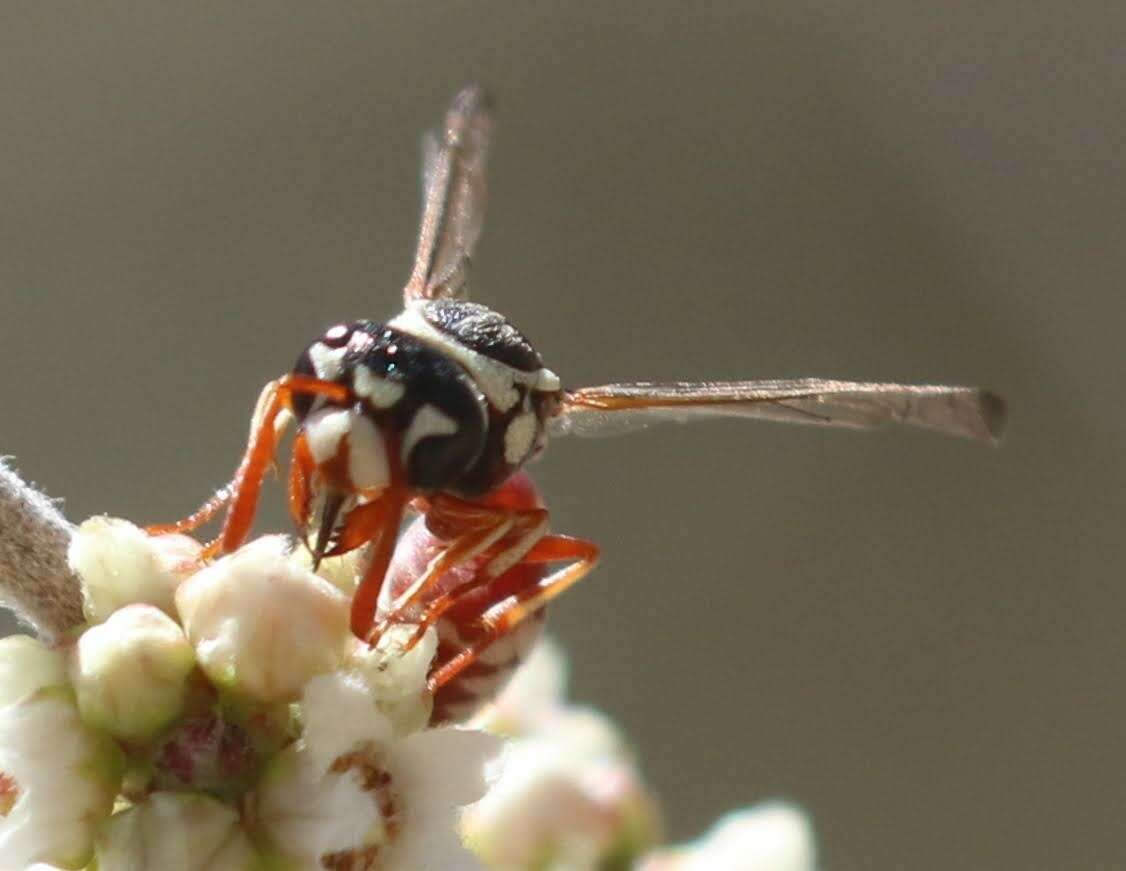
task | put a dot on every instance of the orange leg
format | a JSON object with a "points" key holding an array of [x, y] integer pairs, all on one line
{"points": [[301, 469], [503, 617], [259, 455], [242, 492], [247, 483], [195, 520], [376, 521], [504, 536]]}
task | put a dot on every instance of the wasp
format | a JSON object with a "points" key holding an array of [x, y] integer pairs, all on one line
{"points": [[436, 411], [486, 632]]}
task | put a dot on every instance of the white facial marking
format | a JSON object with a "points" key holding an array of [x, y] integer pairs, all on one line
{"points": [[326, 361], [378, 390], [520, 437], [496, 380], [428, 421], [324, 429], [548, 381], [337, 332], [367, 455]]}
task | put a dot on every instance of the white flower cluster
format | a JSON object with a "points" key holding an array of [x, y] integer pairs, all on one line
{"points": [[568, 794], [220, 716], [569, 797], [223, 717]]}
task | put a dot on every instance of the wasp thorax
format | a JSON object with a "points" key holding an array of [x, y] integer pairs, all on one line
{"points": [[411, 414], [520, 393]]}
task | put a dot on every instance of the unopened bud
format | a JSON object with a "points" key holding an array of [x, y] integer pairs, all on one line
{"points": [[176, 832], [26, 665], [130, 672], [261, 625], [775, 836], [568, 796], [121, 565]]}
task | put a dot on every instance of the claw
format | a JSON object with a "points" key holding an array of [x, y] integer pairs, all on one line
{"points": [[330, 511]]}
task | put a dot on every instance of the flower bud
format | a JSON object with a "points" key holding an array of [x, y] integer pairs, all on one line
{"points": [[58, 780], [568, 796], [262, 625], [343, 571], [537, 812], [206, 752], [130, 672], [176, 832], [120, 565], [26, 665], [775, 836], [532, 696]]}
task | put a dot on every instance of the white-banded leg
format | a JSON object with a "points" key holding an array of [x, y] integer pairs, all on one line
{"points": [[498, 619], [496, 537]]}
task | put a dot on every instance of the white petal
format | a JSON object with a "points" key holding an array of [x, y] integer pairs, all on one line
{"points": [[130, 672], [26, 665], [58, 780], [261, 625], [308, 814], [448, 767], [340, 716], [434, 774], [440, 849], [120, 565], [176, 832]]}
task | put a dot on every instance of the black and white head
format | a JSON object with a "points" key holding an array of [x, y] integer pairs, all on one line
{"points": [[447, 396]]}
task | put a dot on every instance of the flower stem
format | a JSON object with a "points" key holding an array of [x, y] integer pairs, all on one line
{"points": [[35, 580]]}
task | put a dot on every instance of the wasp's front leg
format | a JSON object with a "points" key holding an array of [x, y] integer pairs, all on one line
{"points": [[271, 415], [499, 619], [495, 537]]}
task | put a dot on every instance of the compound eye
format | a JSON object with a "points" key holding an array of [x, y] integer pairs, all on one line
{"points": [[439, 445], [337, 337]]}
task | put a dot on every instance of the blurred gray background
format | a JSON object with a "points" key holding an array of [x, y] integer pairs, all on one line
{"points": [[918, 639]]}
